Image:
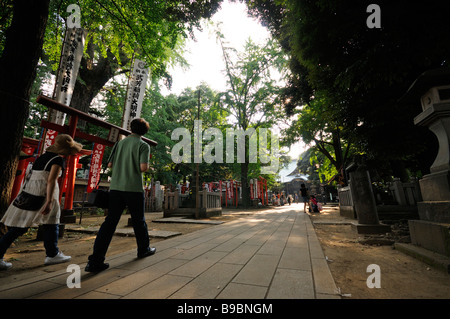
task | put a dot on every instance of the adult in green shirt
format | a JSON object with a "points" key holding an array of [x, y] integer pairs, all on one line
{"points": [[128, 161]]}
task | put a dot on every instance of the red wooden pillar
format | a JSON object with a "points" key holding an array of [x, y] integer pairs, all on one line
{"points": [[237, 194], [226, 194], [262, 191], [67, 215], [221, 195], [232, 193], [28, 147]]}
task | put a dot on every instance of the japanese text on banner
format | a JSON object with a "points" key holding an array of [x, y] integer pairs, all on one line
{"points": [[96, 166], [135, 94]]}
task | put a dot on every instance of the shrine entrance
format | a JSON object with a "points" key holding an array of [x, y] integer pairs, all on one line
{"points": [[67, 214]]}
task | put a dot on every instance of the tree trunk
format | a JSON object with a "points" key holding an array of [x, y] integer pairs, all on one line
{"points": [[245, 186], [94, 77], [338, 150], [23, 47], [340, 159]]}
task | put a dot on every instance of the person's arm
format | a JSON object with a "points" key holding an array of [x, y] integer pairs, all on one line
{"points": [[144, 156], [51, 184], [144, 167]]}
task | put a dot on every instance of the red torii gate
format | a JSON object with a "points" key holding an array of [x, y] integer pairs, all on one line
{"points": [[67, 215], [261, 190], [26, 157]]}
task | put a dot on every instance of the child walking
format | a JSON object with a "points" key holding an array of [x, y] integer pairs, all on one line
{"points": [[41, 182]]}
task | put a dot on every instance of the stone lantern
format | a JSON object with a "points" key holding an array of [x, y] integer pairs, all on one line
{"points": [[436, 186], [432, 230]]}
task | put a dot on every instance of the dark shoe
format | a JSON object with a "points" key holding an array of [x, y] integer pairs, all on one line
{"points": [[149, 252], [96, 267]]}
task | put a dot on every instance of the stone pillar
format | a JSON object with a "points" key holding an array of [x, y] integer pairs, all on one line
{"points": [[432, 230], [364, 203], [158, 197], [397, 187]]}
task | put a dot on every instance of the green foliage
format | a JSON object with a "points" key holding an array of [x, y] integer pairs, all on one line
{"points": [[164, 114], [252, 97], [153, 29], [6, 11], [38, 112], [325, 168], [362, 72], [199, 104], [317, 126], [368, 70]]}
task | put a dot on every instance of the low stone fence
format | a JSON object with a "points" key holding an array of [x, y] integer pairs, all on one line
{"points": [[404, 198], [210, 205], [154, 198], [407, 194]]}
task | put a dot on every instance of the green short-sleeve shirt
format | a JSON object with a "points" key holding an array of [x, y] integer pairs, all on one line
{"points": [[127, 156]]}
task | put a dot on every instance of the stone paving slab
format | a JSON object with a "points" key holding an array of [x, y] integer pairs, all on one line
{"points": [[122, 231], [272, 254], [183, 220]]}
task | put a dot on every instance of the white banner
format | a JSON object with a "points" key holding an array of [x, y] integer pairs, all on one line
{"points": [[135, 93], [71, 55]]}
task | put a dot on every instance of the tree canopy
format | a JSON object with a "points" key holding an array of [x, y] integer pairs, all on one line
{"points": [[363, 72]]}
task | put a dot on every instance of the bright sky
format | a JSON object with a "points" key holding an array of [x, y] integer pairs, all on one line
{"points": [[205, 55]]}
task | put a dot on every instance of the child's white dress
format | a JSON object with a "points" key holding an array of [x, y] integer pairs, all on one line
{"points": [[36, 185]]}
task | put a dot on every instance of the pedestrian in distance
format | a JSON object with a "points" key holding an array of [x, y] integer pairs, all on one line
{"points": [[304, 193], [128, 161], [42, 208], [277, 199], [314, 204]]}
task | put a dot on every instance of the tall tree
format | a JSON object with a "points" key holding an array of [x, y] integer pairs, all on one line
{"points": [[164, 114], [317, 126], [252, 95], [199, 104], [180, 111], [21, 48]]}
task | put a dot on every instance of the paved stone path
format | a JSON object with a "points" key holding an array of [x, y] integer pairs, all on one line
{"points": [[272, 254]]}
